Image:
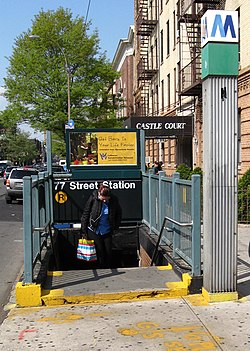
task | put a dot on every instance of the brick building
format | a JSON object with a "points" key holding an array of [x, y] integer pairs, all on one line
{"points": [[123, 63], [167, 75]]}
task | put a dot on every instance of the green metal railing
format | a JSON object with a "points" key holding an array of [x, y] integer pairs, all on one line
{"points": [[37, 216], [37, 219], [171, 210]]}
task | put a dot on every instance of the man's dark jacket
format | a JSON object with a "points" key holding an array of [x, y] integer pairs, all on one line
{"points": [[92, 213]]}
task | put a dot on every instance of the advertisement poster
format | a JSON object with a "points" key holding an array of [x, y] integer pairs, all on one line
{"points": [[117, 148]]}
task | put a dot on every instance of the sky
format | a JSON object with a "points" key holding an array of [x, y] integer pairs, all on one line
{"points": [[111, 18]]}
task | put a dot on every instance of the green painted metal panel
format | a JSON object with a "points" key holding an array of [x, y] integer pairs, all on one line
{"points": [[220, 60]]}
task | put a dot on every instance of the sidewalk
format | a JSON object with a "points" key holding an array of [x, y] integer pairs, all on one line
{"points": [[169, 324], [172, 324]]}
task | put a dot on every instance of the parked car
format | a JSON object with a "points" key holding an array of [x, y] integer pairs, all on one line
{"points": [[7, 173], [14, 183], [2, 171], [64, 164], [3, 165], [55, 169]]}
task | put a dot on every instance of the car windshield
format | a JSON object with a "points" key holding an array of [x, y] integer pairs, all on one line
{"points": [[57, 169], [8, 169], [19, 174]]}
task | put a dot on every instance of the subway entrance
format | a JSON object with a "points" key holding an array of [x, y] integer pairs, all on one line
{"points": [[94, 157], [125, 250]]}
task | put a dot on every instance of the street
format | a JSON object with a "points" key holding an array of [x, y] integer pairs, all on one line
{"points": [[11, 246]]}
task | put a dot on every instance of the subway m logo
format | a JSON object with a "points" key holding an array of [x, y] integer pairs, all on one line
{"points": [[223, 29], [219, 26]]}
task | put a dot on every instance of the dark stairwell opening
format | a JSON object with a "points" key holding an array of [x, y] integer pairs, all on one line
{"points": [[125, 251]]}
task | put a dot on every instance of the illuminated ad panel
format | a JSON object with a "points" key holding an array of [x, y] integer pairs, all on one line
{"points": [[117, 149]]}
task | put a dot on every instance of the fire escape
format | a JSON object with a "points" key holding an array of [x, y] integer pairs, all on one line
{"points": [[189, 17], [146, 63]]}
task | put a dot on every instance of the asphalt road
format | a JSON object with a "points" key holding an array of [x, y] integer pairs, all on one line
{"points": [[11, 246]]}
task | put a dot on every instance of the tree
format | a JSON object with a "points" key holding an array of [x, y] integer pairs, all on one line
{"points": [[37, 77], [18, 147]]}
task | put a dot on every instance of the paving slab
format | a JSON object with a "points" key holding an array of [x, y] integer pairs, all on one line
{"points": [[111, 280], [165, 325]]}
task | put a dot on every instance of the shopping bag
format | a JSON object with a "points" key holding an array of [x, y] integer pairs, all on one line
{"points": [[86, 250]]}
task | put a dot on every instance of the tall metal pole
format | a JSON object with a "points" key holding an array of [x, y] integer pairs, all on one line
{"points": [[68, 95], [220, 116], [68, 78]]}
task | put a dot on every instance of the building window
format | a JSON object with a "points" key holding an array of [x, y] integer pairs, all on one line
{"points": [[162, 95], [174, 28], [161, 5], [168, 39], [178, 77], [156, 54], [151, 9], [152, 102], [161, 46], [175, 86], [168, 81], [152, 57], [157, 99], [169, 151]]}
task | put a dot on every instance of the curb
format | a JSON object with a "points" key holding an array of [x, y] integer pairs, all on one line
{"points": [[32, 295]]}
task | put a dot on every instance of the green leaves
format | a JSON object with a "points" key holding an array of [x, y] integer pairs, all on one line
{"points": [[56, 61], [18, 147]]}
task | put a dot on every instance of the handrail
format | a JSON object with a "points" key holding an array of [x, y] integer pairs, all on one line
{"points": [[174, 200], [181, 224]]}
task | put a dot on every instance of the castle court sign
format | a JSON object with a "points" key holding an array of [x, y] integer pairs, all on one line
{"points": [[162, 127]]}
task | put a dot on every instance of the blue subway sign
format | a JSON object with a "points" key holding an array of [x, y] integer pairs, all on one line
{"points": [[219, 26]]}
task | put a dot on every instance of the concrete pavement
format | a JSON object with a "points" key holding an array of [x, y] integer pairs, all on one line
{"points": [[169, 324]]}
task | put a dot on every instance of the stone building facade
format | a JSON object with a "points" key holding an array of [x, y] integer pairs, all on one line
{"points": [[243, 8], [123, 63], [167, 75]]}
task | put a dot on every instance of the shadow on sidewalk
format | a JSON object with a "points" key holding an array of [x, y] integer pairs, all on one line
{"points": [[71, 278], [243, 278]]}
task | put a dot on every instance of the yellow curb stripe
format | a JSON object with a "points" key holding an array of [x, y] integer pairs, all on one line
{"points": [[54, 292], [54, 273], [129, 296], [219, 297], [164, 268]]}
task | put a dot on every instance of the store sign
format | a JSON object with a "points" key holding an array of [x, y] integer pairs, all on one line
{"points": [[161, 127], [219, 26]]}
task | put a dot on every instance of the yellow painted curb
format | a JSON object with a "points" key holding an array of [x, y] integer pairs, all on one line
{"points": [[181, 288], [54, 292], [186, 278], [28, 295], [54, 273], [128, 296], [219, 297], [164, 268]]}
